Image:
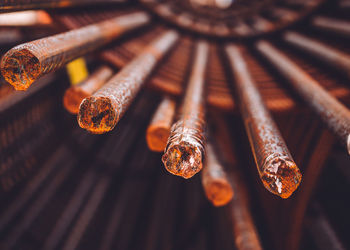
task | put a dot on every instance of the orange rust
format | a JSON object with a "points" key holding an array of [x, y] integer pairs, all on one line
{"points": [[185, 148], [276, 167], [74, 95], [158, 130], [101, 112], [25, 63], [215, 181]]}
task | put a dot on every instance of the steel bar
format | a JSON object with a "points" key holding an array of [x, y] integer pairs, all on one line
{"points": [[245, 234], [332, 24], [158, 130], [25, 63], [74, 95], [14, 5], [276, 167], [331, 56], [101, 112], [184, 152], [25, 18], [216, 184], [333, 113]]}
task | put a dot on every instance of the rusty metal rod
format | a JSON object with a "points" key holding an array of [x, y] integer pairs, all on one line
{"points": [[332, 24], [276, 167], [40, 4], [333, 113], [101, 112], [74, 95], [184, 152], [245, 234], [333, 57], [25, 18], [25, 63], [158, 130], [216, 184]]}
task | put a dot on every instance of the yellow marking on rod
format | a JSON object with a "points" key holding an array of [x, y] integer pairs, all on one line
{"points": [[77, 71]]}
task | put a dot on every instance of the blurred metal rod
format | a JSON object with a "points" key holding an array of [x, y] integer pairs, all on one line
{"points": [[277, 169], [159, 128], [332, 24], [332, 112], [216, 184], [14, 5], [184, 152], [25, 63], [333, 57], [25, 18]]}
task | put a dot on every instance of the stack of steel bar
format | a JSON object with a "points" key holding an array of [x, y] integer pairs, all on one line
{"points": [[211, 105]]}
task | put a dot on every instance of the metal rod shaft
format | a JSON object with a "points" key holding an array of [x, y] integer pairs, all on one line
{"points": [[276, 167], [332, 24], [184, 152], [215, 181], [39, 4], [333, 57], [332, 112], [101, 112], [159, 128], [25, 63]]}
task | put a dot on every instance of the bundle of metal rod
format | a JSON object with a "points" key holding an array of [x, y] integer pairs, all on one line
{"points": [[333, 57], [76, 93], [245, 234], [216, 185], [25, 18], [101, 112], [39, 4], [25, 63], [276, 167], [333, 113], [158, 130], [184, 152], [339, 26]]}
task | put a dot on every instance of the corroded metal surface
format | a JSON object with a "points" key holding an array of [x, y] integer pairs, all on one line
{"points": [[25, 63], [185, 148], [216, 184], [74, 95], [276, 167], [333, 113], [159, 128], [335, 58], [101, 112]]}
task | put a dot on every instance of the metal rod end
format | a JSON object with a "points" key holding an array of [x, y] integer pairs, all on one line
{"points": [[183, 159], [157, 137], [20, 67], [97, 115], [281, 176], [219, 192]]}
